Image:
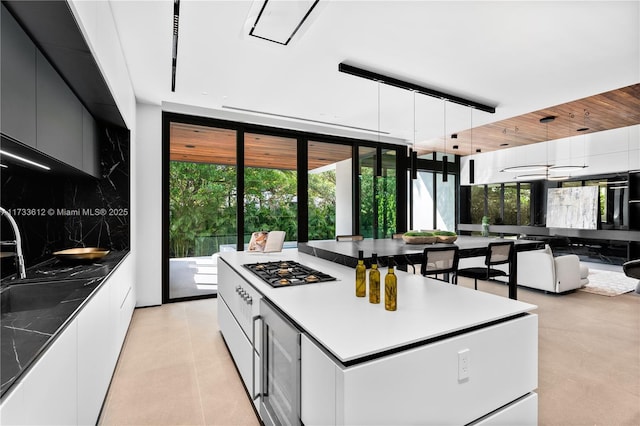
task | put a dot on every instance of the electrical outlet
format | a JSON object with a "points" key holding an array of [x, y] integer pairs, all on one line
{"points": [[463, 365]]}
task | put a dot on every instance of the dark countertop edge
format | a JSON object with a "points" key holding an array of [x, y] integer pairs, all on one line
{"points": [[60, 330]]}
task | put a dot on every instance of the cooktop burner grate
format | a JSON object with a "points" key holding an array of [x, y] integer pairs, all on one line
{"points": [[285, 273]]}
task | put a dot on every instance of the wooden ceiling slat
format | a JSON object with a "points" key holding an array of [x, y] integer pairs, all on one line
{"points": [[609, 110]]}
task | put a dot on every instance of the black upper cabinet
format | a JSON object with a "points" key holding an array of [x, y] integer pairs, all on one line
{"points": [[39, 109], [59, 115], [90, 145], [18, 82]]}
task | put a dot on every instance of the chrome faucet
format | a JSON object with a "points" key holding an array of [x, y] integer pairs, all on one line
{"points": [[17, 242]]}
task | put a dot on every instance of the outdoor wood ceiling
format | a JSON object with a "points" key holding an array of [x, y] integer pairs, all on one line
{"points": [[609, 110], [202, 144], [605, 111]]}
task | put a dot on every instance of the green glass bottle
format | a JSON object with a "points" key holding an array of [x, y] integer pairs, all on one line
{"points": [[390, 288], [361, 276], [374, 280]]}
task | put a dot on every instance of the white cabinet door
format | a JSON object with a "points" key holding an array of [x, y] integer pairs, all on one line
{"points": [[13, 406], [95, 354], [317, 385], [50, 388], [424, 385]]}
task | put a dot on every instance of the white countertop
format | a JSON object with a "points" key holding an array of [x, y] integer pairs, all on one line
{"points": [[350, 327]]}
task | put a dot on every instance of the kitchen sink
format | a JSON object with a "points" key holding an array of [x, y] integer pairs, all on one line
{"points": [[26, 295]]}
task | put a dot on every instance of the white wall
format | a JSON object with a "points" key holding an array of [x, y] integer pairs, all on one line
{"points": [[610, 151], [344, 197], [146, 221]]}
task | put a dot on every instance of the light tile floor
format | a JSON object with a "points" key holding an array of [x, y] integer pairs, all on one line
{"points": [[175, 368]]}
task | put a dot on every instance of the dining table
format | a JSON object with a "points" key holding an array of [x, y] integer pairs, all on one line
{"points": [[403, 254]]}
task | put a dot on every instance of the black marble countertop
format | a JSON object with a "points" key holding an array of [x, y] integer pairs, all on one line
{"points": [[36, 309]]}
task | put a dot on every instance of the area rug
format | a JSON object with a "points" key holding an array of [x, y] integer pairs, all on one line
{"points": [[609, 283]]}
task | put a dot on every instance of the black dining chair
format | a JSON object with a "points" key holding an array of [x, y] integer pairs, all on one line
{"points": [[439, 260], [499, 253]]}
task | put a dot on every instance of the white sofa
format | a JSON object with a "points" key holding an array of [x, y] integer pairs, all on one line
{"points": [[539, 269]]}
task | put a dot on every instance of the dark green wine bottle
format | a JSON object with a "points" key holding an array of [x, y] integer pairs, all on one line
{"points": [[391, 288], [361, 276], [374, 280]]}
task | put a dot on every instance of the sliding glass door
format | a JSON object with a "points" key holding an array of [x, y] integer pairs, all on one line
{"points": [[270, 186], [202, 206]]}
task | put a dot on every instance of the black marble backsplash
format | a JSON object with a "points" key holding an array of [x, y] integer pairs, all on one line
{"points": [[55, 211]]}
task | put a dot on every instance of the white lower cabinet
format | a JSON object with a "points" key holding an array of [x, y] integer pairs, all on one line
{"points": [[523, 412], [47, 395], [68, 383], [238, 305], [96, 353], [425, 385], [241, 350], [50, 391]]}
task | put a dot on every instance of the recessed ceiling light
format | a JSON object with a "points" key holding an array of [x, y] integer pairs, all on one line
{"points": [[582, 129], [547, 119], [189, 146], [504, 144], [478, 150]]}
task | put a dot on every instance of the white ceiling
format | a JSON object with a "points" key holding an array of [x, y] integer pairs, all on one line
{"points": [[518, 56]]}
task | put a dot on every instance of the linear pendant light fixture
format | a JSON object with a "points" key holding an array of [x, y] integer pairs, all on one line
{"points": [[472, 162], [395, 82], [445, 159], [571, 167], [533, 167]]}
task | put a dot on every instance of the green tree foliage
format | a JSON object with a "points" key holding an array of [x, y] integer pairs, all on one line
{"points": [[322, 205], [385, 196], [202, 202], [270, 201]]}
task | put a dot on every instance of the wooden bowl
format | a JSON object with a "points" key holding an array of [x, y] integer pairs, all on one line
{"points": [[447, 239], [81, 254], [419, 239]]}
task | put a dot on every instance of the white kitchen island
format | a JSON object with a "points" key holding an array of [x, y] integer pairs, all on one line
{"points": [[448, 355]]}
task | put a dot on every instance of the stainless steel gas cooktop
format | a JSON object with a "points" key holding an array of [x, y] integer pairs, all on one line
{"points": [[286, 273]]}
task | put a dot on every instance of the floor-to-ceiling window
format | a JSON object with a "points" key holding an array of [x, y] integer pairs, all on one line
{"points": [[433, 200], [377, 192], [224, 180], [202, 206], [423, 200], [270, 185], [330, 183]]}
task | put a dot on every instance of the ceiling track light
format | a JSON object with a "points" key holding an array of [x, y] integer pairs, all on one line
{"points": [[174, 52], [445, 159]]}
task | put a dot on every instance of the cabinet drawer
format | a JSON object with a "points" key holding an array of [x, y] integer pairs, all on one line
{"points": [[423, 386], [242, 300], [237, 342], [523, 412]]}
